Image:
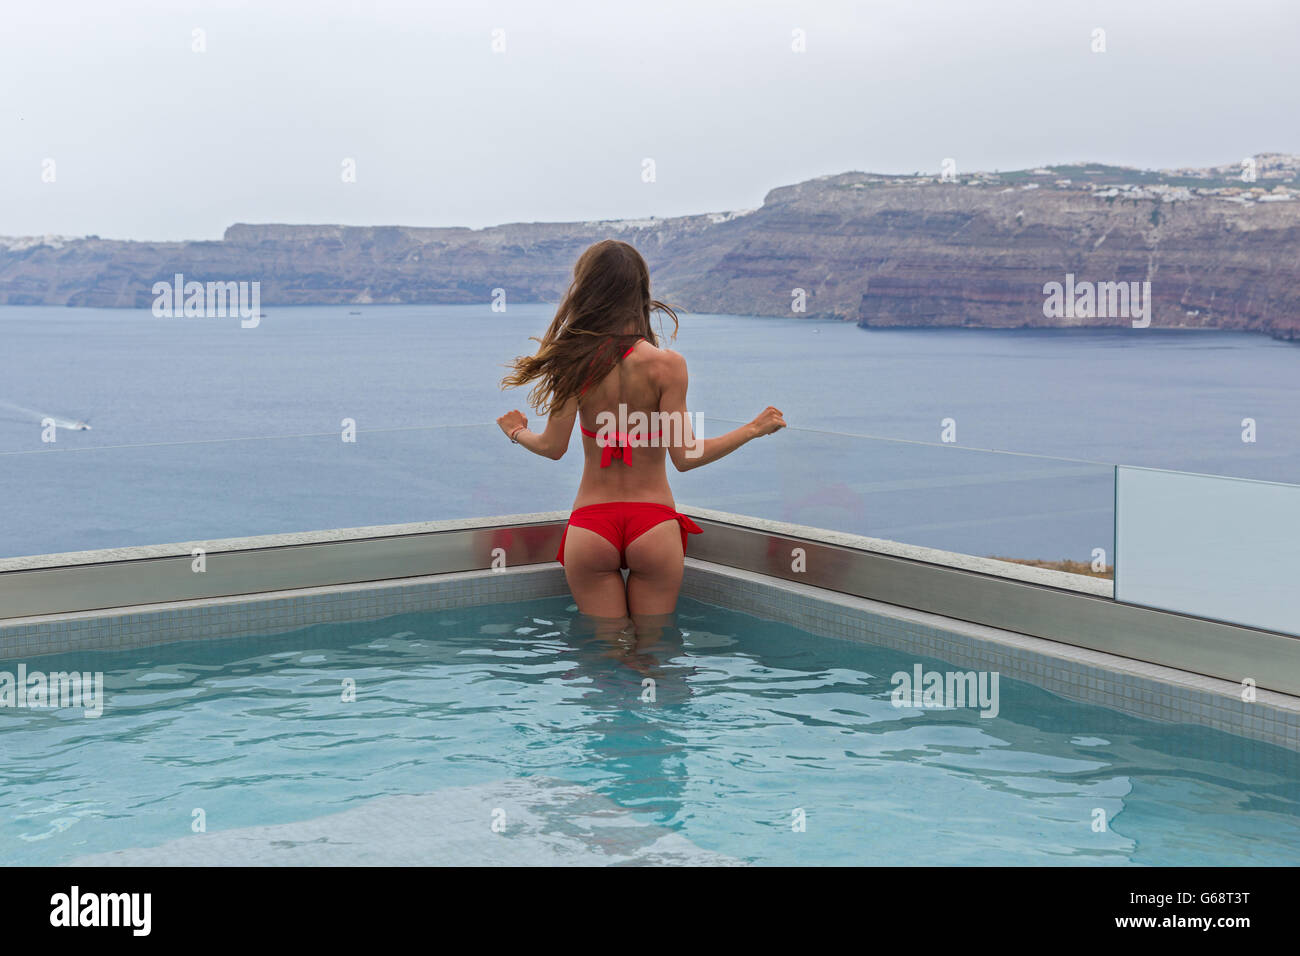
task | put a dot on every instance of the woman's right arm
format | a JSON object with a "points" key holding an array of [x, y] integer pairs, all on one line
{"points": [[685, 450]]}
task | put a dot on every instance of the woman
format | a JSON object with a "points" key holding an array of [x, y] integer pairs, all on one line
{"points": [[599, 363]]}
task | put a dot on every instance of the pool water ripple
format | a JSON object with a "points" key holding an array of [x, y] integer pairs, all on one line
{"points": [[752, 727]]}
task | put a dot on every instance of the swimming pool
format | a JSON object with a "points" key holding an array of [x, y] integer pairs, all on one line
{"points": [[506, 733]]}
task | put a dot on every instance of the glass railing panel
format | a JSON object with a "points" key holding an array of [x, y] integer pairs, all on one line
{"points": [[1227, 549], [1015, 507], [76, 497], [67, 497]]}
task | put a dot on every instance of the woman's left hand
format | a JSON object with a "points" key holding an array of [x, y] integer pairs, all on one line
{"points": [[511, 422]]}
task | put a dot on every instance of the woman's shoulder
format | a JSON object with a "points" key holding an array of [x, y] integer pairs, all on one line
{"points": [[658, 350], [665, 364]]}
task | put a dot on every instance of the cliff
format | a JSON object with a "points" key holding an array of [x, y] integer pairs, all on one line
{"points": [[974, 250]]}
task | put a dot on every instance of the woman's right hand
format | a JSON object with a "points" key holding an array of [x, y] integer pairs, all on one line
{"points": [[768, 421], [511, 422]]}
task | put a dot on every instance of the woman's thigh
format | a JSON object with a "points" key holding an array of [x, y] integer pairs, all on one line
{"points": [[655, 562], [592, 568]]}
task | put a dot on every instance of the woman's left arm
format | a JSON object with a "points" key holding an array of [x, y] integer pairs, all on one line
{"points": [[553, 442]]}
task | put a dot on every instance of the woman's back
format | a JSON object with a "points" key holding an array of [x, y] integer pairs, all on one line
{"points": [[624, 449]]}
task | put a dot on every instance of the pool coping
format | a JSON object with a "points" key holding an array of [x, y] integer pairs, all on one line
{"points": [[1047, 577], [64, 559], [1142, 689], [1053, 605], [1043, 576], [1135, 687], [269, 613]]}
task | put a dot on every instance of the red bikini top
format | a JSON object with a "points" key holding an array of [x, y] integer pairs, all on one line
{"points": [[619, 447]]}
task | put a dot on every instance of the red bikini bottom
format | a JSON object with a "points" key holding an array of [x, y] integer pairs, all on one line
{"points": [[622, 522]]}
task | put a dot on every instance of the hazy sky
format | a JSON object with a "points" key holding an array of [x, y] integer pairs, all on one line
{"points": [[151, 140]]}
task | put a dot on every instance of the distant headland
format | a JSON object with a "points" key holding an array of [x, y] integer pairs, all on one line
{"points": [[1219, 247]]}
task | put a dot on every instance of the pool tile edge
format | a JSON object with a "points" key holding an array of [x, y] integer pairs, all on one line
{"points": [[1151, 691], [270, 612]]}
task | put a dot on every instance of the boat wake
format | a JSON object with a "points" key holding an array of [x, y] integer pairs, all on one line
{"points": [[21, 413]]}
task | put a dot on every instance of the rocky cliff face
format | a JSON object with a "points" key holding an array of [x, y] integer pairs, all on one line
{"points": [[953, 255], [882, 251]]}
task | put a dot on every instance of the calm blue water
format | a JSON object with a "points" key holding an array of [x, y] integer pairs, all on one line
{"points": [[751, 721], [1170, 400]]}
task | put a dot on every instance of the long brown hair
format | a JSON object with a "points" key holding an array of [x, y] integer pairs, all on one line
{"points": [[609, 295]]}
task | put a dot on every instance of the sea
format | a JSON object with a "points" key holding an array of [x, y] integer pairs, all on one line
{"points": [[988, 442]]}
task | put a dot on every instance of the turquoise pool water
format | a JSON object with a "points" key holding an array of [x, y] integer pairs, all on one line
{"points": [[506, 734]]}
